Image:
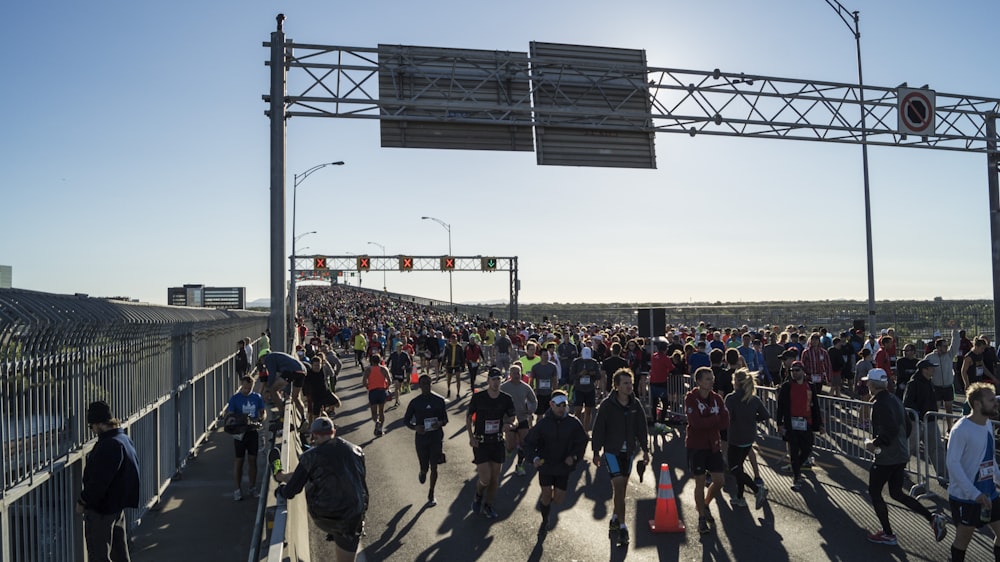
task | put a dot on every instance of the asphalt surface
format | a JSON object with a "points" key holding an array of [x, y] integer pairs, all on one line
{"points": [[828, 520], [197, 518]]}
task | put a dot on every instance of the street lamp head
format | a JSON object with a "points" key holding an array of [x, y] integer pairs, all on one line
{"points": [[337, 163]]}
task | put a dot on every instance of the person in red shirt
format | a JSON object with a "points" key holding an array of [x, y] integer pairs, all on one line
{"points": [[707, 416], [883, 357], [660, 367], [798, 416], [816, 361]]}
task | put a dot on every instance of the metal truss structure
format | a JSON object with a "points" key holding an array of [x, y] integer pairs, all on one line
{"points": [[334, 81], [418, 263]]}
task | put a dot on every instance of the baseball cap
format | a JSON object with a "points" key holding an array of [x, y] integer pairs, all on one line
{"points": [[877, 375], [495, 373], [798, 365], [322, 426], [559, 399], [924, 363]]}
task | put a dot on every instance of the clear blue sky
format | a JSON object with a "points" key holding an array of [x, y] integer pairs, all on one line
{"points": [[134, 152]]}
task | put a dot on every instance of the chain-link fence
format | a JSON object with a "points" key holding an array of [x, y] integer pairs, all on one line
{"points": [[167, 373]]}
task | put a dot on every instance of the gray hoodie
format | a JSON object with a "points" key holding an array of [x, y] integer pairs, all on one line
{"points": [[944, 374]]}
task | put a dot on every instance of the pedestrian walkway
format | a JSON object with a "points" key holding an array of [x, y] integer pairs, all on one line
{"points": [[197, 518]]}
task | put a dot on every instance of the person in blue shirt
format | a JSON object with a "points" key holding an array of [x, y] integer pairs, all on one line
{"points": [[698, 359], [753, 359], [244, 413]]}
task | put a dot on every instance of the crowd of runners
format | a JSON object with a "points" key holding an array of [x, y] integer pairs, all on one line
{"points": [[549, 391]]}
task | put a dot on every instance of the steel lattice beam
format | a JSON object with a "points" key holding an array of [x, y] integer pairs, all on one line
{"points": [[391, 263], [332, 81]]}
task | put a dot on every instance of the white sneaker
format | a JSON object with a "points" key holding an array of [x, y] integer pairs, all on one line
{"points": [[238, 495]]}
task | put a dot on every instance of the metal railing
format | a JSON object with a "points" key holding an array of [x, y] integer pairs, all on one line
{"points": [[911, 319], [167, 373], [846, 424]]}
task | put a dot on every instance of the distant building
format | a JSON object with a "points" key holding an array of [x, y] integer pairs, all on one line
{"points": [[6, 276], [208, 297]]}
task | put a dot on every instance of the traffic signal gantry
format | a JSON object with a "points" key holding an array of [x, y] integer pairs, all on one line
{"points": [[363, 263], [407, 263]]}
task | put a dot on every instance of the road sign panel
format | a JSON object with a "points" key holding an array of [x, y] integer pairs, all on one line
{"points": [[448, 263], [319, 263], [364, 263], [916, 111], [405, 263]]}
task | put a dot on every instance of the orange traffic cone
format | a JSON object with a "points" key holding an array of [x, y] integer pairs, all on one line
{"points": [[666, 520], [414, 376]]}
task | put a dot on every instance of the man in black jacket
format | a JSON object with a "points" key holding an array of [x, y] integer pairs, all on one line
{"points": [[337, 497], [921, 396], [555, 444], [110, 484]]}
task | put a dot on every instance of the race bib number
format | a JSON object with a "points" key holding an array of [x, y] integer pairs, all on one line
{"points": [[979, 371], [491, 427], [544, 384], [585, 379], [429, 424], [799, 424], [986, 469]]}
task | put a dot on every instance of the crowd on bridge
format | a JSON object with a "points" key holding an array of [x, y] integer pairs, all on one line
{"points": [[621, 387]]}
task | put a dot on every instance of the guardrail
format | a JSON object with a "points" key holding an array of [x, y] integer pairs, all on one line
{"points": [[167, 373], [845, 420]]}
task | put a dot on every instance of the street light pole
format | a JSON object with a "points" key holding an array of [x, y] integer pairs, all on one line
{"points": [[851, 20], [384, 289], [294, 269], [446, 226], [298, 179]]}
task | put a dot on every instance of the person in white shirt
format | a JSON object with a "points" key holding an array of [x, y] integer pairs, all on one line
{"points": [[972, 467]]}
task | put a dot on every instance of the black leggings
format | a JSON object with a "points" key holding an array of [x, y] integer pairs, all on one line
{"points": [[800, 444], [893, 475], [737, 455]]}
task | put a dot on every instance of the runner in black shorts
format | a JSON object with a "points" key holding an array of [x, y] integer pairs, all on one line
{"points": [[494, 413], [427, 414], [707, 417], [555, 445], [246, 412], [619, 433], [585, 374]]}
